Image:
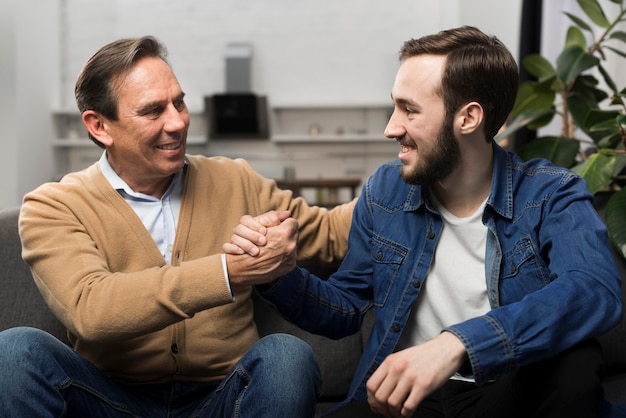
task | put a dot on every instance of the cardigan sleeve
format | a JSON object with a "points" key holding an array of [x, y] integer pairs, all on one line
{"points": [[101, 273]]}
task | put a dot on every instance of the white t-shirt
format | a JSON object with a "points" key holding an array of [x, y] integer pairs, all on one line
{"points": [[455, 288]]}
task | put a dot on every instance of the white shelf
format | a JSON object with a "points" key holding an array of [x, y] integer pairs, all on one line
{"points": [[339, 138], [86, 142], [329, 123], [346, 137]]}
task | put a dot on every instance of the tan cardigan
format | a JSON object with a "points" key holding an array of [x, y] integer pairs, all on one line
{"points": [[137, 318]]}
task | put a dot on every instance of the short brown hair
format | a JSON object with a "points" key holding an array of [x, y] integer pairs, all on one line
{"points": [[478, 68], [96, 84]]}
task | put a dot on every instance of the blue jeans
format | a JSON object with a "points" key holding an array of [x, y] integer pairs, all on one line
{"points": [[42, 377]]}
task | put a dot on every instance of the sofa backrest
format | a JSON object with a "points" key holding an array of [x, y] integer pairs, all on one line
{"points": [[21, 303]]}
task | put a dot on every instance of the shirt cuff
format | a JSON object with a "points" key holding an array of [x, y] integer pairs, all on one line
{"points": [[225, 268]]}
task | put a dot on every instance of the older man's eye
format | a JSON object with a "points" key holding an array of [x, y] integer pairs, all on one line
{"points": [[180, 105], [151, 111]]}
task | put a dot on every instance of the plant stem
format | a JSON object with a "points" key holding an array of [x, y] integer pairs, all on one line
{"points": [[601, 39]]}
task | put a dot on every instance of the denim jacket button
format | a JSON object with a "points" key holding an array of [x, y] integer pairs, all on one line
{"points": [[378, 256], [416, 283], [430, 234], [513, 268], [395, 327]]}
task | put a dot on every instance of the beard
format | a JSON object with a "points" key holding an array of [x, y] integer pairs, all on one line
{"points": [[440, 162]]}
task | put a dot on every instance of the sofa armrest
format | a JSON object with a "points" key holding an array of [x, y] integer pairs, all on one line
{"points": [[21, 304]]}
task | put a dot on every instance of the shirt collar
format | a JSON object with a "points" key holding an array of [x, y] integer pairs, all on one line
{"points": [[123, 188]]}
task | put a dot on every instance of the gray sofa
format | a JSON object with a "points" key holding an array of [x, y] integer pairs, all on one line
{"points": [[22, 305]]}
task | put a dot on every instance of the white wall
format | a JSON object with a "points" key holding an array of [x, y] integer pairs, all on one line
{"points": [[29, 76], [304, 52], [8, 111], [323, 52]]}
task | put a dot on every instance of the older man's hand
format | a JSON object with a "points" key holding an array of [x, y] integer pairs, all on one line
{"points": [[251, 232], [274, 259]]}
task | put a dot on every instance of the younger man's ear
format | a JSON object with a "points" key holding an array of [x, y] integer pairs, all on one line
{"points": [[470, 118], [96, 124]]}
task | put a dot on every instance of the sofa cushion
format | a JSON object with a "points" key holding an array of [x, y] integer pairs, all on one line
{"points": [[21, 303]]}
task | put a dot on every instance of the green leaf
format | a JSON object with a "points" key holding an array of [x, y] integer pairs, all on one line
{"points": [[618, 34], [561, 151], [598, 120], [538, 66], [609, 141], [572, 62], [597, 171], [617, 51], [578, 21], [594, 11], [615, 218], [607, 125], [575, 37], [621, 121], [580, 103], [533, 95], [607, 78], [620, 164], [586, 86], [542, 121], [524, 120], [602, 126]]}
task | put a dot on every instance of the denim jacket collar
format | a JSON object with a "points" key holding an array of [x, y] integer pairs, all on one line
{"points": [[501, 195]]}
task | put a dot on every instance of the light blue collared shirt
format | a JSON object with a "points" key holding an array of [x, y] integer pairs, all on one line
{"points": [[159, 216]]}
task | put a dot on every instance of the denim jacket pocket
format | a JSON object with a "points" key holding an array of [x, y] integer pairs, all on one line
{"points": [[387, 257], [522, 270]]}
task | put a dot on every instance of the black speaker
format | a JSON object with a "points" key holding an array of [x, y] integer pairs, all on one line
{"points": [[237, 116]]}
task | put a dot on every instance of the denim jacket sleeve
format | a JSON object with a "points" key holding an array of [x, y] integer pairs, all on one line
{"points": [[333, 307], [551, 278]]}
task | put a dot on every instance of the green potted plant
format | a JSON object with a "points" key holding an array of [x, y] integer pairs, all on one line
{"points": [[578, 91]]}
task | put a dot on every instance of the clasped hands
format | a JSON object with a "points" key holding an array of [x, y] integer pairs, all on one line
{"points": [[263, 248]]}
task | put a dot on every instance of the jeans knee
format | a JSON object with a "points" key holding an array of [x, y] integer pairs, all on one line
{"points": [[20, 341], [288, 352], [285, 358], [23, 355], [282, 378]]}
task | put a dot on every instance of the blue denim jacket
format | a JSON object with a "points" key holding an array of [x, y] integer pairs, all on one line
{"points": [[551, 277]]}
